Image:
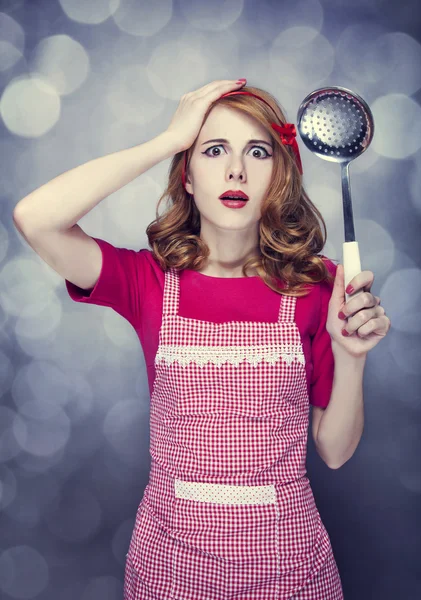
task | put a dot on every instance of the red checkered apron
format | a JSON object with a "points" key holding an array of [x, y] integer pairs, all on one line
{"points": [[228, 512]]}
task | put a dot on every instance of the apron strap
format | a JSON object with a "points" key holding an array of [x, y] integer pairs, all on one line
{"points": [[171, 292]]}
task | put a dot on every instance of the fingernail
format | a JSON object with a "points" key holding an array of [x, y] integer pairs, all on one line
{"points": [[344, 332], [341, 315], [349, 289], [241, 80]]}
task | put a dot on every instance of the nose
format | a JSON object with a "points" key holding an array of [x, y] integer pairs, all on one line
{"points": [[237, 173]]}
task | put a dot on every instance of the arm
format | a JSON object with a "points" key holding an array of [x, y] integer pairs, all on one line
{"points": [[60, 203], [47, 217], [341, 425]]}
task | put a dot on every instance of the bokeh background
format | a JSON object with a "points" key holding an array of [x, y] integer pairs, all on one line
{"points": [[83, 78]]}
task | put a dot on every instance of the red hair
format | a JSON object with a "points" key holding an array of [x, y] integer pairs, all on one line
{"points": [[292, 231]]}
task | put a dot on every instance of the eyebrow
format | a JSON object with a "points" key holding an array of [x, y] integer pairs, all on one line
{"points": [[224, 141]]}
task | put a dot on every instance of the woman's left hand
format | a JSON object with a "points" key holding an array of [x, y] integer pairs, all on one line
{"points": [[364, 319]]}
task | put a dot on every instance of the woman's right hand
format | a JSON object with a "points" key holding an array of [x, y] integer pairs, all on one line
{"points": [[188, 118]]}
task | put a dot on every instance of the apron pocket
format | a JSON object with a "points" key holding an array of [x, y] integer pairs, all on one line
{"points": [[227, 532], [224, 550]]}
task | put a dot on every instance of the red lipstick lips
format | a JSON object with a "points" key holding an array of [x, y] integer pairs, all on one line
{"points": [[234, 195]]}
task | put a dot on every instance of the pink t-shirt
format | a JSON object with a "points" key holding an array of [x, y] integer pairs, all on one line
{"points": [[132, 283]]}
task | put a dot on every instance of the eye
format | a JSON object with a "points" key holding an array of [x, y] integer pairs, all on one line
{"points": [[267, 155]]}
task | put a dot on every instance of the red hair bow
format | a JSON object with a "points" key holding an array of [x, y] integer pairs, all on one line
{"points": [[288, 134]]}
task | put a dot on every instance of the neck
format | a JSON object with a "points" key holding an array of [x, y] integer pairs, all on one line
{"points": [[229, 250]]}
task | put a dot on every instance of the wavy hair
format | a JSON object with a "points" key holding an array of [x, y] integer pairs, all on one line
{"points": [[290, 234]]}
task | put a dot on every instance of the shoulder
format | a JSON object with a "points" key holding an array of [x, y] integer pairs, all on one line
{"points": [[330, 264], [139, 264], [147, 255], [149, 266], [326, 287]]}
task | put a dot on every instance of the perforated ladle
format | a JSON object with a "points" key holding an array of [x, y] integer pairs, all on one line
{"points": [[337, 125]]}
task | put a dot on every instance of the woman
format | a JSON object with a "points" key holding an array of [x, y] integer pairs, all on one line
{"points": [[238, 320]]}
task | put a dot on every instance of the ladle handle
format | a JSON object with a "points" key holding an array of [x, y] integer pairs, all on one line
{"points": [[347, 203], [352, 265]]}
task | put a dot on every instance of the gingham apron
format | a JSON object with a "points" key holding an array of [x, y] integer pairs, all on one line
{"points": [[228, 512]]}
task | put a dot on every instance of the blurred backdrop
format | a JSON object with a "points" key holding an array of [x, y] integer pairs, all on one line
{"points": [[83, 78]]}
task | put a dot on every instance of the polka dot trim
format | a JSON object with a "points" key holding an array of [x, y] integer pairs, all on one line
{"points": [[217, 493]]}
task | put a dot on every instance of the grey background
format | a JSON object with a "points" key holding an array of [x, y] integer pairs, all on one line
{"points": [[74, 400]]}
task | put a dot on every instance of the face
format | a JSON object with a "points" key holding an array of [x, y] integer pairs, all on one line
{"points": [[235, 164]]}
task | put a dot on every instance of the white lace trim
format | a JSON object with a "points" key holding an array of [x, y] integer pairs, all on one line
{"points": [[219, 355]]}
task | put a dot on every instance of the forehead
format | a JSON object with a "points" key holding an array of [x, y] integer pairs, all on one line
{"points": [[223, 121]]}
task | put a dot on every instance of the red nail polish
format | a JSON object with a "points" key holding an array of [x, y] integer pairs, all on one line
{"points": [[341, 315], [349, 289], [344, 332]]}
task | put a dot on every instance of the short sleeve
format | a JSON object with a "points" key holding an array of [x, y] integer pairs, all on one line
{"points": [[321, 350], [118, 285]]}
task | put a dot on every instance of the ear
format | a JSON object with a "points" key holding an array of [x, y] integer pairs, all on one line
{"points": [[189, 187]]}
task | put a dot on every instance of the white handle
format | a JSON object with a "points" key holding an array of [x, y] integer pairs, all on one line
{"points": [[352, 265]]}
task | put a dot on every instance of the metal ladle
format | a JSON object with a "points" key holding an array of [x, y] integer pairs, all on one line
{"points": [[337, 125]]}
